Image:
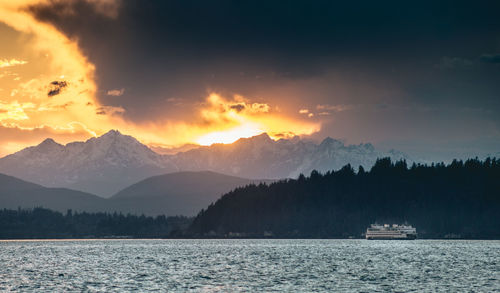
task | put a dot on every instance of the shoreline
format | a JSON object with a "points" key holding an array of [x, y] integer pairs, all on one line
{"points": [[142, 239]]}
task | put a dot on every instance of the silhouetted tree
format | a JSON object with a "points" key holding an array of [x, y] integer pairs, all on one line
{"points": [[44, 223], [461, 199]]}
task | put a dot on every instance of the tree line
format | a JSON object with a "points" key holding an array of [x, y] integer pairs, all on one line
{"points": [[42, 223], [458, 200]]}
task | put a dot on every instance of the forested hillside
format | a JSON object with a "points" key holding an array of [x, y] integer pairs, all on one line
{"points": [[459, 200], [43, 223]]}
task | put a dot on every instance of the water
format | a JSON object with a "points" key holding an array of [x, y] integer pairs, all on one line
{"points": [[250, 265]]}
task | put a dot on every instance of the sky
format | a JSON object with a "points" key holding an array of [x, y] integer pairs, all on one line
{"points": [[422, 77]]}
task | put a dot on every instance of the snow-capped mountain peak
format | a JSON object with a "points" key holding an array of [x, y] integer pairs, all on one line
{"points": [[101, 165], [106, 164], [331, 143], [48, 146], [48, 142], [256, 141]]}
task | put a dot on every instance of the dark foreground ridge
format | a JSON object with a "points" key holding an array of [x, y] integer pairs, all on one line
{"points": [[40, 223], [459, 200]]}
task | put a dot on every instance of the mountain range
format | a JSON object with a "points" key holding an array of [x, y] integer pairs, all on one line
{"points": [[182, 193], [15, 193], [262, 157], [107, 164], [102, 165]]}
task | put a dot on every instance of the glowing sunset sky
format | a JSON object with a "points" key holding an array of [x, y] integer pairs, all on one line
{"points": [[425, 80]]}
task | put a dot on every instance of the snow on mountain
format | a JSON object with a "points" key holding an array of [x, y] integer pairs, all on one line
{"points": [[262, 157], [106, 164], [102, 165]]}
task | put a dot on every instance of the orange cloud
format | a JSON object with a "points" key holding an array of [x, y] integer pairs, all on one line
{"points": [[58, 90], [230, 120], [12, 62], [15, 138], [116, 92], [55, 95]]}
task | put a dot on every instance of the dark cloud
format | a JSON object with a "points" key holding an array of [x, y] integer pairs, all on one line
{"points": [[238, 107], [296, 54], [65, 105], [53, 9], [490, 58], [56, 87], [101, 111], [285, 135], [455, 63]]}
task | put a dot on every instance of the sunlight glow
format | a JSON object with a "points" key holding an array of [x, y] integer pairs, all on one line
{"points": [[231, 135], [48, 88]]}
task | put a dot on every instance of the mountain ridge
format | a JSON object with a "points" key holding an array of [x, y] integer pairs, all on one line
{"points": [[181, 193], [17, 193], [105, 165], [101, 165]]}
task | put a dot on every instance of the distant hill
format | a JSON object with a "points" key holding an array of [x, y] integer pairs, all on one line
{"points": [[459, 200], [105, 165], [16, 193], [181, 193]]}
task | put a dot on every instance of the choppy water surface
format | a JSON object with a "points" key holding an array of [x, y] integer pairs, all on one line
{"points": [[250, 265]]}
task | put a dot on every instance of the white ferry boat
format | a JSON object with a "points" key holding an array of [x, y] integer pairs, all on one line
{"points": [[388, 232]]}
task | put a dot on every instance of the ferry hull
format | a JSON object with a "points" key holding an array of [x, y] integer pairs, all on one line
{"points": [[394, 232], [391, 238]]}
